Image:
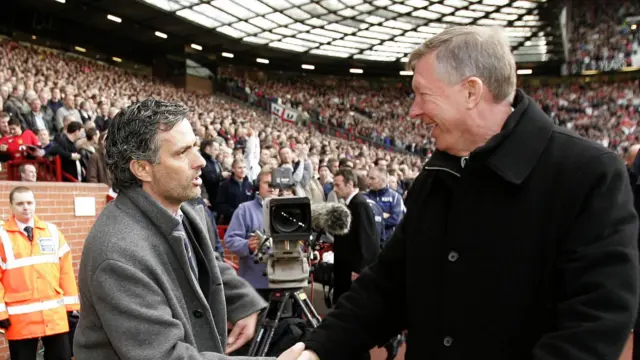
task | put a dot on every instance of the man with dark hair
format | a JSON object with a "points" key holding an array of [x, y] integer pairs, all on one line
{"points": [[65, 146], [212, 171], [358, 248], [151, 286]]}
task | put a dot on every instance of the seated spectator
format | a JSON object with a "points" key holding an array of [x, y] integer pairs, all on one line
{"points": [[28, 172], [39, 117]]}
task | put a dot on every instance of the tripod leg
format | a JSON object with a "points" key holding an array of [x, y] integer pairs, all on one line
{"points": [[268, 324], [307, 308], [261, 331]]}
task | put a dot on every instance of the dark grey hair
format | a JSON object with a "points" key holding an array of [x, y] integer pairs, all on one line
{"points": [[133, 135]]}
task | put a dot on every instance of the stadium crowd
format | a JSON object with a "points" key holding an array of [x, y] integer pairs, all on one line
{"points": [[68, 103], [56, 104], [600, 33]]}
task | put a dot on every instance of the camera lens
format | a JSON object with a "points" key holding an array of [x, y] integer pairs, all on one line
{"points": [[288, 219]]}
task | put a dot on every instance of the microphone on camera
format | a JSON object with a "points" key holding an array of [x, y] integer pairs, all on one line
{"points": [[330, 217]]}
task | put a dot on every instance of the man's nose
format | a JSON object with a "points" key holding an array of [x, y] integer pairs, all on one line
{"points": [[415, 111], [199, 161]]}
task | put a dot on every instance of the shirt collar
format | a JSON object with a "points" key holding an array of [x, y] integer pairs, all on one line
{"points": [[22, 225], [351, 196]]}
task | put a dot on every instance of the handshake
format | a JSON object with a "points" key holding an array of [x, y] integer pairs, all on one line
{"points": [[297, 352]]}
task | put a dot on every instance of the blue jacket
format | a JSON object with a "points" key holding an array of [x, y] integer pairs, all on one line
{"points": [[391, 203], [378, 216], [246, 220], [231, 194]]}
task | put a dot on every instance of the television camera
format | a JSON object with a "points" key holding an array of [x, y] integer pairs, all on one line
{"points": [[288, 246]]}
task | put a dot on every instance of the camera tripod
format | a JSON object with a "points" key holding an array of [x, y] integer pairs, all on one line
{"points": [[271, 316]]}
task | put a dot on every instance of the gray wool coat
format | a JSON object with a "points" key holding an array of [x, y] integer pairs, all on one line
{"points": [[138, 298]]}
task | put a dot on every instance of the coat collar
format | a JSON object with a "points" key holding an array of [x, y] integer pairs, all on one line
{"points": [[160, 216], [520, 150], [157, 214], [12, 224], [514, 151]]}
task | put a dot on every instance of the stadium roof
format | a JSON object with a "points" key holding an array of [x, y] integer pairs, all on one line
{"points": [[378, 30], [332, 36]]}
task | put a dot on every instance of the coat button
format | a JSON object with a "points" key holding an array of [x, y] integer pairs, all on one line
{"points": [[448, 341], [198, 314], [453, 256]]}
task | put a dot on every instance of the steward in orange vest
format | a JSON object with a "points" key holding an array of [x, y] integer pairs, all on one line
{"points": [[38, 288]]}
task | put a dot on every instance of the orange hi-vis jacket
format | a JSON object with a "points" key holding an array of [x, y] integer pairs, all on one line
{"points": [[37, 283]]}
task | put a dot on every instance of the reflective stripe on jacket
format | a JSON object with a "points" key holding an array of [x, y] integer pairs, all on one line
{"points": [[37, 284]]}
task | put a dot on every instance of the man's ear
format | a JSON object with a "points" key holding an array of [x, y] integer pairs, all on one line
{"points": [[141, 169], [474, 88]]}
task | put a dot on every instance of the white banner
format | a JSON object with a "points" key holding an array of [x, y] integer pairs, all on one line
{"points": [[279, 112]]}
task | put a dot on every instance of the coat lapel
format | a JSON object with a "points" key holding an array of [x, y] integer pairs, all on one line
{"points": [[215, 298], [167, 224]]}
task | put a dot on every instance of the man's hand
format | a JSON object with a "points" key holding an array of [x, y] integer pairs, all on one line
{"points": [[309, 355], [4, 324], [226, 174], [75, 156], [4, 147], [385, 215], [296, 353], [354, 276], [254, 242], [242, 332]]}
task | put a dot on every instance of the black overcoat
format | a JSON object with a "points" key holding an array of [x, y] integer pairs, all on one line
{"points": [[527, 249]]}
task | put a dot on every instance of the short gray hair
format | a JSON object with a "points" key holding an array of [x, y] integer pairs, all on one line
{"points": [[465, 51]]}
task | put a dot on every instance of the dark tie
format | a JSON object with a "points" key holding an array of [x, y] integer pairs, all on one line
{"points": [[187, 247], [29, 231]]}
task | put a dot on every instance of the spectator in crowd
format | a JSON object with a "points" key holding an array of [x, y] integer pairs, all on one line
{"points": [[87, 146], [96, 166], [233, 192], [40, 117], [378, 214], [19, 143], [212, 171], [45, 142], [28, 172], [65, 147], [69, 109], [389, 200]]}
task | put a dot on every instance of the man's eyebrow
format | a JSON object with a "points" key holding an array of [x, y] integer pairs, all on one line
{"points": [[185, 147]]}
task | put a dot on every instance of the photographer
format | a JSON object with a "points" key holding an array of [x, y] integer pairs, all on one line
{"points": [[240, 238]]}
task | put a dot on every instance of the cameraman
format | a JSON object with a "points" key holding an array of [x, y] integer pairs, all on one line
{"points": [[240, 236]]}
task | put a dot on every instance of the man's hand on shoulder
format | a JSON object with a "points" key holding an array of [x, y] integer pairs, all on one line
{"points": [[297, 352]]}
